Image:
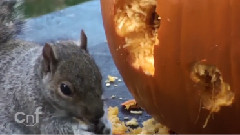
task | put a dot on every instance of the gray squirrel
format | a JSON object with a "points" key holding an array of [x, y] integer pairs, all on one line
{"points": [[50, 89]]}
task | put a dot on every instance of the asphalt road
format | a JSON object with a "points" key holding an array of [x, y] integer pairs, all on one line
{"points": [[104, 60]]}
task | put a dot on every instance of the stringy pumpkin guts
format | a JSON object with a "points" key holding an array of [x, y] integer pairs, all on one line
{"points": [[138, 22]]}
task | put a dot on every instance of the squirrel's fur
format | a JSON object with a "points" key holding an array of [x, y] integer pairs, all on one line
{"points": [[33, 76]]}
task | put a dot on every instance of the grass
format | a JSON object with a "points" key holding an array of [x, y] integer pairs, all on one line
{"points": [[35, 8]]}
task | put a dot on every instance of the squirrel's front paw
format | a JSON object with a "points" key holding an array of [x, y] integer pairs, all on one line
{"points": [[99, 127]]}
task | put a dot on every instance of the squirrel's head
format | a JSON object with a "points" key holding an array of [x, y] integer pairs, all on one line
{"points": [[72, 81]]}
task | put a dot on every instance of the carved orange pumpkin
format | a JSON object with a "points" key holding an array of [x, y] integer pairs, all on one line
{"points": [[180, 59]]}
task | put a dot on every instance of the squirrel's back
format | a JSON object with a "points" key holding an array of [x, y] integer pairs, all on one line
{"points": [[16, 61], [17, 79]]}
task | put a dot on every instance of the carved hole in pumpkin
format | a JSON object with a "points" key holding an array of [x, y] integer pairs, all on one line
{"points": [[138, 22], [214, 92]]}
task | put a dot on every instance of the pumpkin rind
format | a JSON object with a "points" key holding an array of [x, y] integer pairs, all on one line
{"points": [[191, 32]]}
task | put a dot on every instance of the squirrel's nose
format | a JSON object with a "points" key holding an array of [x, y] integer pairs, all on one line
{"points": [[100, 128], [98, 116]]}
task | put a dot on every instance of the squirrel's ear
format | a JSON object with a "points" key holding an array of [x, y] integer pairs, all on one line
{"points": [[49, 58], [83, 43]]}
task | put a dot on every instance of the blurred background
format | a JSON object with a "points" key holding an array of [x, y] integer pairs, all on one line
{"points": [[52, 20], [35, 8]]}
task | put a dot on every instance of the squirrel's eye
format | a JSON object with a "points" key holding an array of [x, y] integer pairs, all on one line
{"points": [[65, 89]]}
